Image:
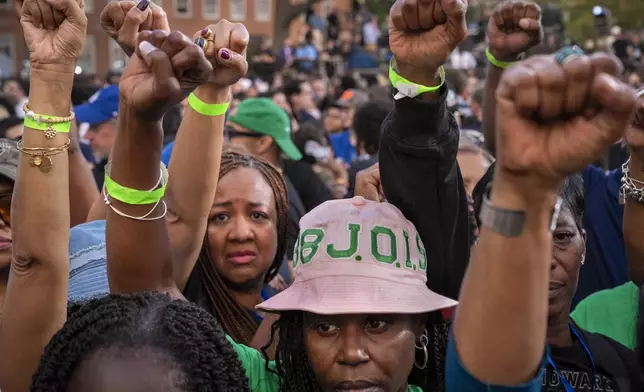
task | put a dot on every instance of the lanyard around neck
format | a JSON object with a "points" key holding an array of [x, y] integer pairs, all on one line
{"points": [[565, 382]]}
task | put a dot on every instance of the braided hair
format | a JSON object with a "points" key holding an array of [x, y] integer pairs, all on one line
{"points": [[207, 288], [295, 371], [186, 334]]}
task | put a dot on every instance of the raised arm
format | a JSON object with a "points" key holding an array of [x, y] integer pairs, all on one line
{"points": [[545, 133], [194, 166], [419, 140], [35, 305], [634, 209], [513, 28], [164, 70]]}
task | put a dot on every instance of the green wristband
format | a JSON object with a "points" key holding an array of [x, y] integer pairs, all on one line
{"points": [[134, 196], [207, 109], [43, 125], [407, 88], [495, 62]]}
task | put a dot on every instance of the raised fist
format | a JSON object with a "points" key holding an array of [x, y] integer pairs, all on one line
{"points": [[165, 69], [55, 33], [225, 47], [423, 33], [635, 133], [123, 20], [553, 120], [368, 184], [514, 27]]}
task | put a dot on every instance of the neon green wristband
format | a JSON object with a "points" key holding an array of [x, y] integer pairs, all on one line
{"points": [[134, 196], [62, 127], [495, 62], [408, 88], [207, 109]]}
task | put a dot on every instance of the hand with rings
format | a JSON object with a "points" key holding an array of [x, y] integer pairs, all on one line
{"points": [[224, 44]]}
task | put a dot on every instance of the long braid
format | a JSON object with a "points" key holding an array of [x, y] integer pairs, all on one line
{"points": [[291, 360], [186, 334], [237, 322]]}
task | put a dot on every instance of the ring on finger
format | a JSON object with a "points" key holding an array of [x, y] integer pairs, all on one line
{"points": [[206, 33], [568, 54], [202, 43]]}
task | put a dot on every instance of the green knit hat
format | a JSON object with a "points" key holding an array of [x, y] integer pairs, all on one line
{"points": [[263, 116]]}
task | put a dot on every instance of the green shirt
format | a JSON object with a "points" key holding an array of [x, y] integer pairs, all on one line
{"points": [[260, 379], [611, 312]]}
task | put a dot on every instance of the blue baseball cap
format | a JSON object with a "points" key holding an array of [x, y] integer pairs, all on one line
{"points": [[101, 107]]}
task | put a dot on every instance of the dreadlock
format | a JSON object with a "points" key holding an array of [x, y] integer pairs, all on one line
{"points": [[295, 371], [213, 293], [177, 330]]}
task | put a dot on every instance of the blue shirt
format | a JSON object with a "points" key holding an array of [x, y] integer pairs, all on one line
{"points": [[459, 380], [166, 153], [342, 147], [606, 265]]}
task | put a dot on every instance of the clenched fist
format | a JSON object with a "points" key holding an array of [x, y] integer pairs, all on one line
{"points": [[226, 51], [553, 120], [423, 33], [165, 69], [514, 27], [55, 33], [123, 20]]}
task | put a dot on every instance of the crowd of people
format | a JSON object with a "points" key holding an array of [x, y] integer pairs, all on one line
{"points": [[440, 226]]}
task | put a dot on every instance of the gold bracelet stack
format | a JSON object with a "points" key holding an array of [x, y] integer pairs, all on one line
{"points": [[40, 156], [50, 124]]}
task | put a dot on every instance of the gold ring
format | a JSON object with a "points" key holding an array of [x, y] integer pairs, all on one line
{"points": [[206, 33]]}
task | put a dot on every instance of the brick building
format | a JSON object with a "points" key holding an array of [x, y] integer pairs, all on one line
{"points": [[188, 16]]}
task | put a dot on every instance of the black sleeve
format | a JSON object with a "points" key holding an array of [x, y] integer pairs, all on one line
{"points": [[421, 177], [312, 190]]}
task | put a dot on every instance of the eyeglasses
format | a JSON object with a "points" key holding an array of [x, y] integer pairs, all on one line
{"points": [[5, 208], [230, 132]]}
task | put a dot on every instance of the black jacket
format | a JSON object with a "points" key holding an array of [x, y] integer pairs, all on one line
{"points": [[420, 176]]}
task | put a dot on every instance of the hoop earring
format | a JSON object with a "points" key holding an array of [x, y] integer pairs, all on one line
{"points": [[424, 342]]}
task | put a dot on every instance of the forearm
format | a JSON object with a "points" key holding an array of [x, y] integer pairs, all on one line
{"points": [[82, 186], [193, 175], [504, 297], [633, 227], [489, 107], [139, 256], [35, 305]]}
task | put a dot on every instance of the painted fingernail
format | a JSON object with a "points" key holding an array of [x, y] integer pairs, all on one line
{"points": [[225, 54], [143, 5], [204, 31], [146, 48]]}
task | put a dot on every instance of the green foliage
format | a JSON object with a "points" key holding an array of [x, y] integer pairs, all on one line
{"points": [[580, 20]]}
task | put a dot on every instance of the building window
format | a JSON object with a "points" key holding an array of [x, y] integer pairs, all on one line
{"points": [[89, 6], [263, 10], [182, 8], [210, 9], [7, 55], [87, 61], [238, 10], [117, 56]]}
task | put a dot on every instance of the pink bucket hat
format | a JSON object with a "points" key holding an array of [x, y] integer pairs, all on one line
{"points": [[358, 256]]}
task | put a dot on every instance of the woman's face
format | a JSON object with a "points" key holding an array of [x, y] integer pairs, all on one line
{"points": [[242, 229], [568, 249], [362, 352]]}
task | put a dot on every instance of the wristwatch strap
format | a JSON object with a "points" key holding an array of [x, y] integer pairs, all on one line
{"points": [[509, 223]]}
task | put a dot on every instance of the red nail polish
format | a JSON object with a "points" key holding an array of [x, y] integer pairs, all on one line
{"points": [[204, 32], [225, 54]]}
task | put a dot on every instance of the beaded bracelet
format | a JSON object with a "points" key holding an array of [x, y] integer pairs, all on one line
{"points": [[50, 124]]}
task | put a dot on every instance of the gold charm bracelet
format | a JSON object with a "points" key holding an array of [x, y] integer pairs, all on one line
{"points": [[40, 156]]}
